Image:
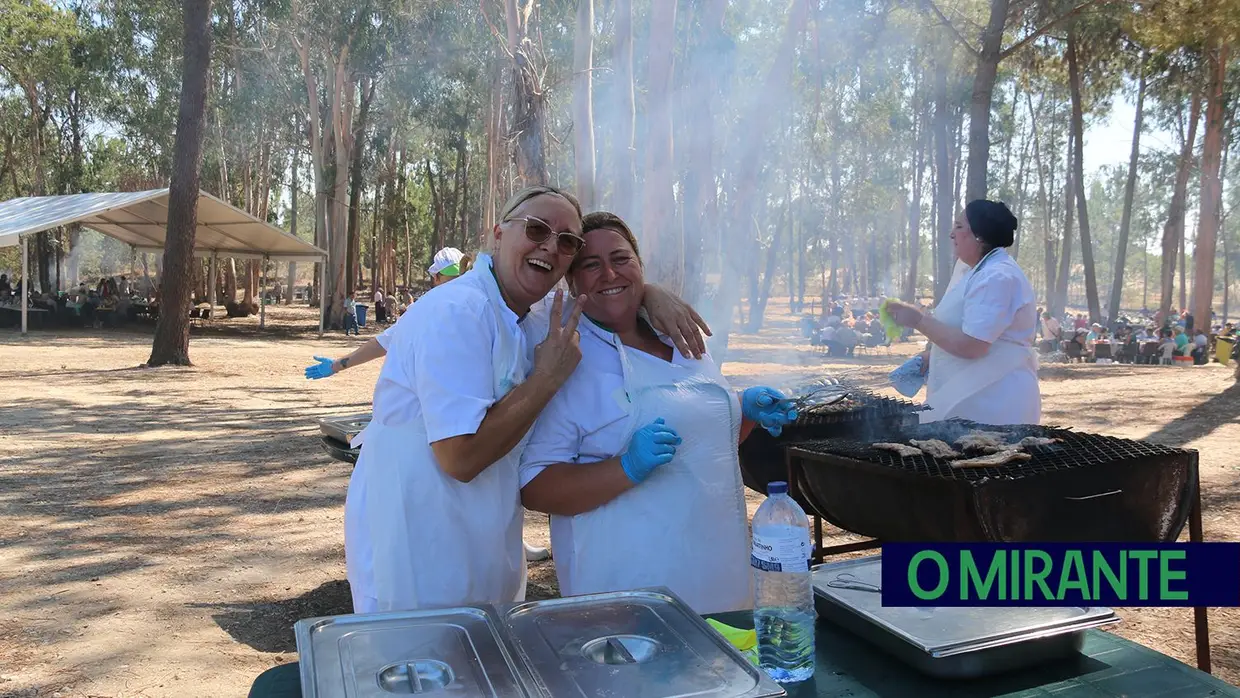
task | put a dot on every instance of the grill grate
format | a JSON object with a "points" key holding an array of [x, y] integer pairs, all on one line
{"points": [[860, 405], [1075, 451]]}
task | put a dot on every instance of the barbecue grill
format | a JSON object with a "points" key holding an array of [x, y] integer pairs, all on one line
{"points": [[860, 414], [1084, 488]]}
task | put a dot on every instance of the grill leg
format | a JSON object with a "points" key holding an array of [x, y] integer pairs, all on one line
{"points": [[817, 540], [1201, 623]]}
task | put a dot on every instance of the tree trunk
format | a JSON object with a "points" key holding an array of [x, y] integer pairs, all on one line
{"points": [[528, 127], [294, 191], [494, 142], [462, 195], [914, 213], [658, 200], [624, 147], [1173, 229], [171, 343], [1130, 189], [1211, 199], [979, 104], [1048, 240], [746, 159], [945, 200], [1065, 254], [356, 185], [701, 200], [583, 104], [1078, 161]]}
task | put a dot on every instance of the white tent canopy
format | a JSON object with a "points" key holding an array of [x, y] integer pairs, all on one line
{"points": [[140, 219]]}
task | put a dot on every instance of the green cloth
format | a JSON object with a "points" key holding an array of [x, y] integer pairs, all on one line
{"points": [[1181, 340], [890, 326]]}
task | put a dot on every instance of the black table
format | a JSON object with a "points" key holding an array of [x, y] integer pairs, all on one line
{"points": [[1107, 667]]}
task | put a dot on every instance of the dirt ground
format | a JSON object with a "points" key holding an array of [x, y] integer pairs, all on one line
{"points": [[162, 529]]}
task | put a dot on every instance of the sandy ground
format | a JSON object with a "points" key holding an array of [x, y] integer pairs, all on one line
{"points": [[161, 530]]}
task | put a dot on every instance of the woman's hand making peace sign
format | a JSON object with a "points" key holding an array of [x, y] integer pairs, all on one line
{"points": [[558, 355]]}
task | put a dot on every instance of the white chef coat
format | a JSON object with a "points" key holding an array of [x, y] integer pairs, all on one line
{"points": [[392, 391], [995, 303]]}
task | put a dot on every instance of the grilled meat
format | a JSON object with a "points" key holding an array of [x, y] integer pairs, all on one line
{"points": [[900, 449], [1037, 441], [993, 460], [983, 441], [936, 448]]}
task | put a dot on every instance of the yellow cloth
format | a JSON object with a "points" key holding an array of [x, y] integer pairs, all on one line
{"points": [[744, 640]]}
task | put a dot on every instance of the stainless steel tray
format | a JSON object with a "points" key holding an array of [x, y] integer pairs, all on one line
{"points": [[344, 428], [636, 644], [951, 642], [460, 651]]}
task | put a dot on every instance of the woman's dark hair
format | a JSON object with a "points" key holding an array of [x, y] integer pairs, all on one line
{"points": [[600, 220], [992, 222]]}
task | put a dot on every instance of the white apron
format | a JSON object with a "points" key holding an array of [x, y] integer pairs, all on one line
{"points": [[685, 526], [416, 538], [953, 380]]}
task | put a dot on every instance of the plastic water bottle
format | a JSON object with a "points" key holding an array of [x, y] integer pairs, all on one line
{"points": [[784, 605]]}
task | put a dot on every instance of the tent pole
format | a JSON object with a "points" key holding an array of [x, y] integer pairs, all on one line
{"points": [[322, 297], [262, 294], [25, 283], [211, 285]]}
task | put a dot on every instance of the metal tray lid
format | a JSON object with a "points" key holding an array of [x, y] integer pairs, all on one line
{"points": [[344, 428], [945, 631], [633, 644], [457, 650]]}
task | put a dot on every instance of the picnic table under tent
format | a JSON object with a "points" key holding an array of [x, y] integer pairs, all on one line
{"points": [[140, 220]]}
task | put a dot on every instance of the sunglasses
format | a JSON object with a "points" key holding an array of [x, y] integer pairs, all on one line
{"points": [[538, 230]]}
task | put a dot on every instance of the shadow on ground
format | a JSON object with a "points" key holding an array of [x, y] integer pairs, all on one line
{"points": [[267, 626]]}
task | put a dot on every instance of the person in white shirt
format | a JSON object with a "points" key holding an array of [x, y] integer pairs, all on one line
{"points": [[380, 310], [636, 457], [433, 516], [983, 367]]}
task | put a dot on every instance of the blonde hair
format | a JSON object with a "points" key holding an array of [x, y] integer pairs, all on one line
{"points": [[525, 195], [532, 192]]}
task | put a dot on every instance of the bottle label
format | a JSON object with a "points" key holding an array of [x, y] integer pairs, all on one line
{"points": [[788, 552]]}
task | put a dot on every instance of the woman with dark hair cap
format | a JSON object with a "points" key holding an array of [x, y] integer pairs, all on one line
{"points": [[983, 366]]}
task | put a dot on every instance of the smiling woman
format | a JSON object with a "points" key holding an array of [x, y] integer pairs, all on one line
{"points": [[640, 441]]}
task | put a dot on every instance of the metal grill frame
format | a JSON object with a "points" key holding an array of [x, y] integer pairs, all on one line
{"points": [[1123, 499]]}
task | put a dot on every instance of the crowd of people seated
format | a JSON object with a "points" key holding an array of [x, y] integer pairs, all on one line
{"points": [[845, 326], [1143, 340]]}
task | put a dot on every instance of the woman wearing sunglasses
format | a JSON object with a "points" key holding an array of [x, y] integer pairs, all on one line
{"points": [[433, 514], [635, 458]]}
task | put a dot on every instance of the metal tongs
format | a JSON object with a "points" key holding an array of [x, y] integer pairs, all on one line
{"points": [[848, 580], [825, 391]]}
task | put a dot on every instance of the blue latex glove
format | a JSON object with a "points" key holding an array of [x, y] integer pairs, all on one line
{"points": [[908, 378], [653, 445], [322, 369], [768, 407]]}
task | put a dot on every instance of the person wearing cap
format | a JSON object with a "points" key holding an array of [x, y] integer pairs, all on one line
{"points": [[446, 265], [983, 366]]}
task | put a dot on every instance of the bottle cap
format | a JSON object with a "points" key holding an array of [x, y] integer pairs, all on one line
{"points": [[773, 488]]}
